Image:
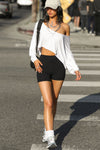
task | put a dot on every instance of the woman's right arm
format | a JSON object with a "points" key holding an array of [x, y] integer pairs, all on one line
{"points": [[32, 51]]}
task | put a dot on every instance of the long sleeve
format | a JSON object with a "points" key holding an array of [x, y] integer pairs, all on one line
{"points": [[70, 61], [32, 49]]}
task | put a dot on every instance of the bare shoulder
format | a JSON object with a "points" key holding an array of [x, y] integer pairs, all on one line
{"points": [[66, 27]]}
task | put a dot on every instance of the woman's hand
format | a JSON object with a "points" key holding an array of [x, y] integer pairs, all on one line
{"points": [[78, 75], [38, 65]]}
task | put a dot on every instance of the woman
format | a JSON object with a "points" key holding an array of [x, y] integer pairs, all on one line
{"points": [[55, 57]]}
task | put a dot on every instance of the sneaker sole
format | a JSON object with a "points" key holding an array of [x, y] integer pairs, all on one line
{"points": [[53, 145], [44, 141]]}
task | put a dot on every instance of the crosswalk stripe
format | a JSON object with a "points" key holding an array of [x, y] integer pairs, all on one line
{"points": [[85, 51], [43, 147], [87, 58], [72, 118], [89, 64], [38, 147], [82, 83], [78, 98], [88, 72], [89, 54]]}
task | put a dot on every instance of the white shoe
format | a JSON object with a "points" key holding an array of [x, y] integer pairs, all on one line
{"points": [[93, 33], [74, 29], [44, 138], [51, 142], [90, 32], [78, 28]]}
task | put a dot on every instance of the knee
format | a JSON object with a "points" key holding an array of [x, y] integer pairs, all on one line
{"points": [[49, 104]]}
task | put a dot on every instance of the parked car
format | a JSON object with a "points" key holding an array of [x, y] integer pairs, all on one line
{"points": [[6, 8], [21, 3]]}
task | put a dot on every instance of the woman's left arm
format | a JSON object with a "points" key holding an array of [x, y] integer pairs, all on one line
{"points": [[77, 72], [78, 75]]}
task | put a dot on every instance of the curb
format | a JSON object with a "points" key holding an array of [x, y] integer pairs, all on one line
{"points": [[25, 31]]}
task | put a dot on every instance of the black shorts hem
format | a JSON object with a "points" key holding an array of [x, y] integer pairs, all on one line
{"points": [[50, 80]]}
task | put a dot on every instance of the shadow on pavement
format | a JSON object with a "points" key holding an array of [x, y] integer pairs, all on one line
{"points": [[81, 110]]}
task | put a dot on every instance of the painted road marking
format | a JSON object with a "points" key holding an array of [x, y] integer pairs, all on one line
{"points": [[91, 59], [88, 72], [78, 98], [81, 83], [43, 147], [89, 64], [72, 118], [85, 51], [86, 54]]}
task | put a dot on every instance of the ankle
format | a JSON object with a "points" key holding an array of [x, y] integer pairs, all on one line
{"points": [[49, 133]]}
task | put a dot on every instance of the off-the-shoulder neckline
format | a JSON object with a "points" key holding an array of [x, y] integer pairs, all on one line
{"points": [[55, 32]]}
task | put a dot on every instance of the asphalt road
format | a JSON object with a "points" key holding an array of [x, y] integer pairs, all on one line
{"points": [[77, 124]]}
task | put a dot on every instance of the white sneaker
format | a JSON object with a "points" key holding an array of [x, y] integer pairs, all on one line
{"points": [[78, 28], [74, 29], [44, 138], [51, 142], [90, 32], [93, 34]]}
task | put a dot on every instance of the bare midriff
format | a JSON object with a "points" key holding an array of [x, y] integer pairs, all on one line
{"points": [[45, 51]]}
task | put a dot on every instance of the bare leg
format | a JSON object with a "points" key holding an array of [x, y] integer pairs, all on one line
{"points": [[56, 89], [75, 21], [78, 21], [46, 91], [50, 92]]}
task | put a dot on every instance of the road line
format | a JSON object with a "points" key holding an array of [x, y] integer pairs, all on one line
{"points": [[85, 51], [89, 54], [88, 72], [89, 64], [72, 118], [43, 147], [78, 98], [87, 58], [20, 44], [81, 83]]}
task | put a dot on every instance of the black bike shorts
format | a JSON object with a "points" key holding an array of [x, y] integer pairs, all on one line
{"points": [[53, 69]]}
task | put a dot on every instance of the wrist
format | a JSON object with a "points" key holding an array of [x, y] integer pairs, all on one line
{"points": [[77, 71]]}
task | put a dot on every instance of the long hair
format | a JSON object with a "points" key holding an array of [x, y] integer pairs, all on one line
{"points": [[59, 15]]}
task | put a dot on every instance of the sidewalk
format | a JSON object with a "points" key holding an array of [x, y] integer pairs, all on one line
{"points": [[78, 39]]}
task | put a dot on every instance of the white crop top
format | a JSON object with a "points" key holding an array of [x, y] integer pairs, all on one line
{"points": [[55, 42]]}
